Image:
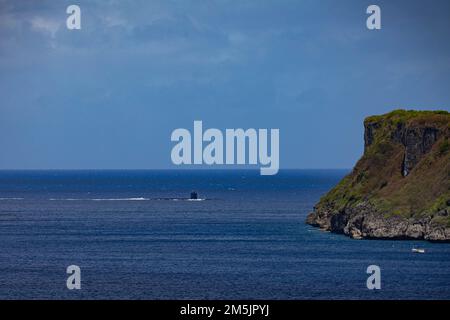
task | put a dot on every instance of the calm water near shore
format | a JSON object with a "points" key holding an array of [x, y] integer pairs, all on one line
{"points": [[136, 236]]}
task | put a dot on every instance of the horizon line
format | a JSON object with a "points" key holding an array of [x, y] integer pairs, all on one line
{"points": [[159, 169]]}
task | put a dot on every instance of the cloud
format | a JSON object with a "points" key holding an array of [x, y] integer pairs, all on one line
{"points": [[45, 25]]}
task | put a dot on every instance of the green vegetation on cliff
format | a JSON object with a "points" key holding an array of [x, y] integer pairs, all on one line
{"points": [[405, 169]]}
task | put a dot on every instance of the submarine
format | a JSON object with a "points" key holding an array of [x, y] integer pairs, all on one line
{"points": [[194, 195]]}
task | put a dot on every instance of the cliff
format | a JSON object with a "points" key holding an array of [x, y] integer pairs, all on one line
{"points": [[400, 188]]}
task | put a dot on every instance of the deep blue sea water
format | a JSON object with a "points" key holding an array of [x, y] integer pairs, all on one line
{"points": [[135, 237]]}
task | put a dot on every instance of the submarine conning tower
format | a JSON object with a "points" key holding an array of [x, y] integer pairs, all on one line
{"points": [[194, 195]]}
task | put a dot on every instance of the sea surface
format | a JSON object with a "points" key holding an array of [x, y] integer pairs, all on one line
{"points": [[135, 235]]}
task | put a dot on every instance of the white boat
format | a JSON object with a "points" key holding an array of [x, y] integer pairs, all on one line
{"points": [[415, 250]]}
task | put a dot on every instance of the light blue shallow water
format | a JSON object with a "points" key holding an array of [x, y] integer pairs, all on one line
{"points": [[134, 236]]}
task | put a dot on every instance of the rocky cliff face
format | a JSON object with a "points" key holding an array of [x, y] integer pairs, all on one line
{"points": [[400, 188]]}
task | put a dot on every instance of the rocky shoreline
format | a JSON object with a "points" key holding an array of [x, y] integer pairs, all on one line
{"points": [[400, 188], [364, 222]]}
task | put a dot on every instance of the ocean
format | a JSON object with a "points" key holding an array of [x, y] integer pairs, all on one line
{"points": [[135, 235]]}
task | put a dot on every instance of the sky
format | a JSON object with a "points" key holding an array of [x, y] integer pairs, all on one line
{"points": [[108, 96]]}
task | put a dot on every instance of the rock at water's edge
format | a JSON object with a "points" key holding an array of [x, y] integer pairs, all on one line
{"points": [[399, 189]]}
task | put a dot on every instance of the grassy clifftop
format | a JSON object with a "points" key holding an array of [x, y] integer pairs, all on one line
{"points": [[401, 115], [404, 172]]}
